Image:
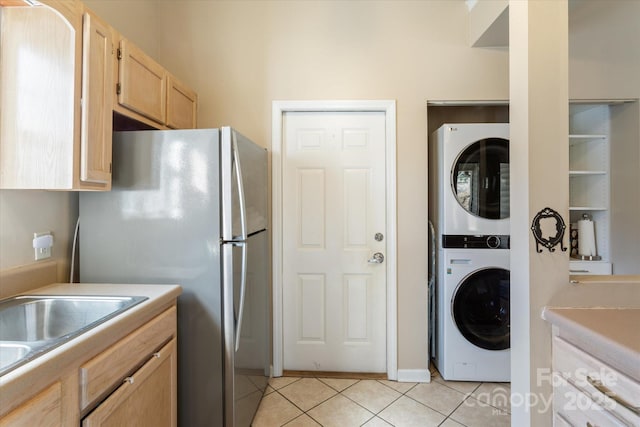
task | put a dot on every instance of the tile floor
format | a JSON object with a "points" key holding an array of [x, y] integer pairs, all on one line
{"points": [[302, 402]]}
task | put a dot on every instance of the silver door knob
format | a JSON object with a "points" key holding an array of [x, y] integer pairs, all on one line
{"points": [[377, 258]]}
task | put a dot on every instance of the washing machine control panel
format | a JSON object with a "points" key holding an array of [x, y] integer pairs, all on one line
{"points": [[462, 241]]}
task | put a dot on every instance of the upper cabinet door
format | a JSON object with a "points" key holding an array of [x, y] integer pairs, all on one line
{"points": [[37, 98], [142, 83], [181, 105], [97, 100]]}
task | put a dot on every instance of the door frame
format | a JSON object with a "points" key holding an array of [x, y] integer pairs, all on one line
{"points": [[388, 107]]}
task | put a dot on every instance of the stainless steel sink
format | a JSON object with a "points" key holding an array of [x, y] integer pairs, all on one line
{"points": [[33, 325], [11, 353]]}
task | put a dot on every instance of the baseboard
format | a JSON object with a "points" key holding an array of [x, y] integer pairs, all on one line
{"points": [[414, 376], [331, 374]]}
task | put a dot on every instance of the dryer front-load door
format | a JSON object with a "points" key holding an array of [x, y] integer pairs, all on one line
{"points": [[481, 308], [480, 178]]}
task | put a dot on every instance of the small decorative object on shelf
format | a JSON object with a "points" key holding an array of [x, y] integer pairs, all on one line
{"points": [[587, 242], [546, 238], [573, 240]]}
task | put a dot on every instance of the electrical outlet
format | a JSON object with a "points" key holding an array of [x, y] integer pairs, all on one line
{"points": [[42, 253], [42, 245]]}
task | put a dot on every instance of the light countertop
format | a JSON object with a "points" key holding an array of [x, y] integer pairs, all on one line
{"points": [[602, 317], [609, 334], [155, 293], [42, 370]]}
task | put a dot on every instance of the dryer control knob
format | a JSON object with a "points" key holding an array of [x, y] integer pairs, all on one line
{"points": [[493, 242]]}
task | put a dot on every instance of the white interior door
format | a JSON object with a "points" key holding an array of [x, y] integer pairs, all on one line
{"points": [[333, 223]]}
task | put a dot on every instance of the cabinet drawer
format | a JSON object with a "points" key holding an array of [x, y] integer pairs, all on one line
{"points": [[100, 374], [598, 380], [574, 408], [589, 267], [146, 398]]}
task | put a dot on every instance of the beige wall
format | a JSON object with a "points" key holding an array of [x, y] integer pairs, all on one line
{"points": [[136, 20], [604, 58], [23, 213], [242, 55]]}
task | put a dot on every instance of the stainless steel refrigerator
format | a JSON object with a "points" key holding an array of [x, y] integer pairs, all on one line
{"points": [[190, 207]]}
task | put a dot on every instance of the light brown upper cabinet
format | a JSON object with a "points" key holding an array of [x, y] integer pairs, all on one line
{"points": [[60, 84], [55, 120], [149, 93], [142, 83], [181, 105], [97, 99]]}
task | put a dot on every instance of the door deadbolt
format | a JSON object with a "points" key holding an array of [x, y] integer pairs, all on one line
{"points": [[378, 237]]}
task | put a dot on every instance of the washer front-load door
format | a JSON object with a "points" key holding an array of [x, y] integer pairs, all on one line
{"points": [[480, 308]]}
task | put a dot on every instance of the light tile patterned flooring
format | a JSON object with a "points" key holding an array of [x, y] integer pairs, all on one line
{"points": [[328, 402]]}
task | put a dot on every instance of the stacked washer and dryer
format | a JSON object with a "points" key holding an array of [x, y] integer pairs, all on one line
{"points": [[472, 335]]}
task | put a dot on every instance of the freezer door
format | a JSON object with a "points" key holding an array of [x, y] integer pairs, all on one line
{"points": [[246, 327], [244, 186]]}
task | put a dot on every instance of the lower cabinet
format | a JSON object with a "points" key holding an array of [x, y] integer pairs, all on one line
{"points": [[134, 381], [105, 372], [588, 392], [145, 398], [43, 410]]}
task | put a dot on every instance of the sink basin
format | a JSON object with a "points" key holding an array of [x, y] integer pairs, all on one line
{"points": [[33, 325], [11, 353]]}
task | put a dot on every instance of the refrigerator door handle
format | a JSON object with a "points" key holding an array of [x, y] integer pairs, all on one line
{"points": [[243, 289], [241, 200], [229, 329]]}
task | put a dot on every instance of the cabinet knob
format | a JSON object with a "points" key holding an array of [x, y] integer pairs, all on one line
{"points": [[128, 380]]}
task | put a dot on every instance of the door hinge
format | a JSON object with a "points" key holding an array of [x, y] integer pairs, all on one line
{"points": [[118, 88], [119, 54]]}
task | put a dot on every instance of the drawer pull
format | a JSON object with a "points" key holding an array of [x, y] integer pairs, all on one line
{"points": [[611, 394], [128, 380], [579, 271]]}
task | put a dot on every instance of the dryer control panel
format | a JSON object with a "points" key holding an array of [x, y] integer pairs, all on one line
{"points": [[462, 241]]}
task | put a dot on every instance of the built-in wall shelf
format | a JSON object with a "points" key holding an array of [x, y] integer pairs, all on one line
{"points": [[589, 177], [587, 208], [578, 173], [585, 137]]}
